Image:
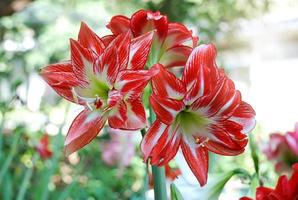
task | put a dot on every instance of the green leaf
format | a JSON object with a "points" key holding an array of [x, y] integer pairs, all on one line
{"points": [[175, 193], [216, 183]]}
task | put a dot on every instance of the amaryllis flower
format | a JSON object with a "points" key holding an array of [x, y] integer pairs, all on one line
{"points": [[283, 149], [103, 78], [172, 42], [201, 112], [170, 173], [43, 148], [286, 189]]}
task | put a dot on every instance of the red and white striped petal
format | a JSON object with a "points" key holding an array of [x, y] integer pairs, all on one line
{"points": [[107, 66], [166, 109], [136, 116], [152, 137], [139, 51], [176, 56], [61, 78], [166, 149], [225, 100], [132, 81], [200, 72], [144, 21], [83, 130], [197, 160], [107, 39], [119, 24], [117, 115], [128, 114], [221, 136], [166, 84], [122, 44], [88, 39], [245, 116], [82, 61], [221, 149], [178, 34]]}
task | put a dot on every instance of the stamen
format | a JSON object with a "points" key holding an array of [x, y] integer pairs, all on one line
{"points": [[202, 144]]}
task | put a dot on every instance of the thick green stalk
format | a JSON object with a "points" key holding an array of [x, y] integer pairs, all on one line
{"points": [[159, 178]]}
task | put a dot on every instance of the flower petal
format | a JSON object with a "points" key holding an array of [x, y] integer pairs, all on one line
{"points": [[176, 56], [178, 34], [166, 84], [107, 66], [139, 51], [152, 137], [122, 44], [82, 61], [144, 21], [61, 78], [167, 148], [245, 116], [132, 81], [197, 160], [129, 114], [200, 72], [108, 39], [83, 130], [88, 39], [166, 109], [119, 24]]}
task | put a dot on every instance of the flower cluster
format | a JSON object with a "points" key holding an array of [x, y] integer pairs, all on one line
{"points": [[283, 149], [286, 189], [198, 112]]}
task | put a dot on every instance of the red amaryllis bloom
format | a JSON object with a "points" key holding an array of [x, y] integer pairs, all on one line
{"points": [[171, 175], [42, 147], [200, 113], [286, 189], [172, 43], [283, 149], [104, 80]]}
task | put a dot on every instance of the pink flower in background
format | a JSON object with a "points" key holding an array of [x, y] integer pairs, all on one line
{"points": [[283, 149], [120, 149], [42, 147], [172, 42], [286, 189]]}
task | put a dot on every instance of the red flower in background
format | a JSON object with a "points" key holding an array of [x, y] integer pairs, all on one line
{"points": [[42, 147], [286, 189], [283, 149], [172, 42], [103, 78], [170, 173], [200, 113]]}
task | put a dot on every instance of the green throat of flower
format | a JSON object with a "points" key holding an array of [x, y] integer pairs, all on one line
{"points": [[191, 122]]}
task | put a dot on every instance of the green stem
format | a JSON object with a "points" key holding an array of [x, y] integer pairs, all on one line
{"points": [[26, 180], [159, 178], [11, 154]]}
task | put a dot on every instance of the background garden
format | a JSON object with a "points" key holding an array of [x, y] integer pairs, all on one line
{"points": [[257, 42]]}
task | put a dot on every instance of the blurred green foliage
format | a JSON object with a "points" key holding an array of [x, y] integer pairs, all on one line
{"points": [[38, 35]]}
